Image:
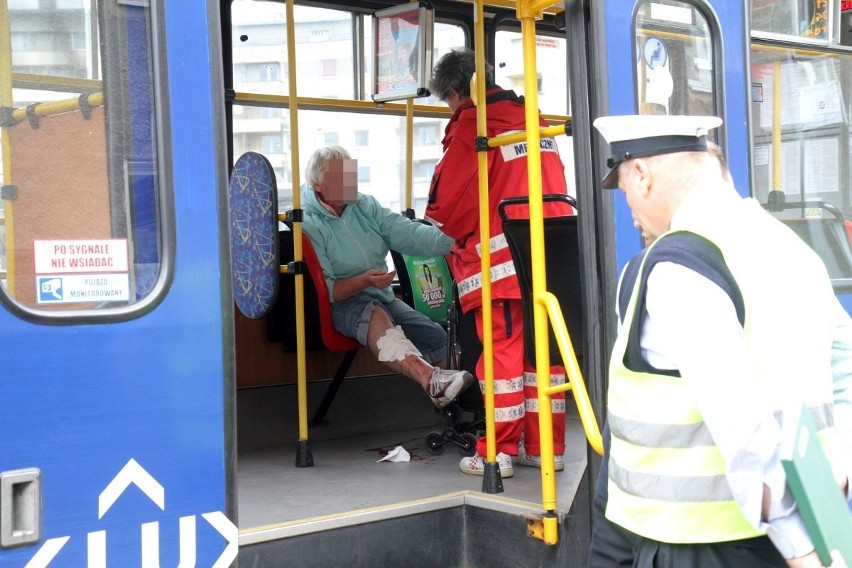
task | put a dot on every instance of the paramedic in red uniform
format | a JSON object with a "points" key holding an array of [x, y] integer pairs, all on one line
{"points": [[453, 206]]}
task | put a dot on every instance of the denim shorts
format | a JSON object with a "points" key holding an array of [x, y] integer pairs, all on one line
{"points": [[351, 317]]}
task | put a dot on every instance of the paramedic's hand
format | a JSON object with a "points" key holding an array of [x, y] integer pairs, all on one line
{"points": [[379, 278], [812, 560]]}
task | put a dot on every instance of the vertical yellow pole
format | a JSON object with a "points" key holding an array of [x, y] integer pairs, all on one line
{"points": [[776, 127], [6, 101], [542, 347], [409, 151], [484, 234], [301, 377]]}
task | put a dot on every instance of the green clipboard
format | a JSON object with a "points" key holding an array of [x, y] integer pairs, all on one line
{"points": [[821, 504]]}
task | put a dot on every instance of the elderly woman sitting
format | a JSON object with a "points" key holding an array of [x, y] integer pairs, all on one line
{"points": [[352, 235]]}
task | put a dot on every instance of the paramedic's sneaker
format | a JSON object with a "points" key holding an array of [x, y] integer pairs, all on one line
{"points": [[475, 465], [445, 386], [535, 461]]}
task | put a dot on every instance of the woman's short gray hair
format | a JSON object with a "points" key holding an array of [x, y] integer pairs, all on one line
{"points": [[315, 170], [454, 71]]}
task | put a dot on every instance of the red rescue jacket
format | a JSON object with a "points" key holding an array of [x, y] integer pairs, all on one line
{"points": [[454, 193]]}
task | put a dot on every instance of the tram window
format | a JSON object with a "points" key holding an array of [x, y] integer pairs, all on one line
{"points": [[675, 59], [325, 45], [803, 19], [805, 93], [82, 199], [382, 161], [551, 54]]}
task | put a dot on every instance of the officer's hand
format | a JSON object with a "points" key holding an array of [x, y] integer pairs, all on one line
{"points": [[812, 561]]}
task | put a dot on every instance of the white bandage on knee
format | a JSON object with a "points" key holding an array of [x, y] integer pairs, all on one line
{"points": [[394, 346]]}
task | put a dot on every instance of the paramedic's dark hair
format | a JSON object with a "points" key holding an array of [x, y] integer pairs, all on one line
{"points": [[454, 71]]}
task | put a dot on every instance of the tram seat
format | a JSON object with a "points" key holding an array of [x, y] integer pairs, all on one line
{"points": [[562, 261], [319, 330]]}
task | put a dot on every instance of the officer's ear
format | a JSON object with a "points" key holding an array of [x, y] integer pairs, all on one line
{"points": [[644, 175]]}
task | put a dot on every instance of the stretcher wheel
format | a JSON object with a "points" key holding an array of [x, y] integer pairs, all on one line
{"points": [[467, 444], [435, 443]]}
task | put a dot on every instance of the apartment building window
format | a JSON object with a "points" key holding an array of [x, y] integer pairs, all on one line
{"points": [[362, 138], [271, 143], [363, 174], [426, 134], [331, 138], [424, 168]]}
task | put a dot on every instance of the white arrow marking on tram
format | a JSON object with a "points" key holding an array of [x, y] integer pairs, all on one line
{"points": [[132, 472], [47, 552], [227, 529]]}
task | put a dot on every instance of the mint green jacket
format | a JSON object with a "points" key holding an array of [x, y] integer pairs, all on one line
{"points": [[360, 239]]}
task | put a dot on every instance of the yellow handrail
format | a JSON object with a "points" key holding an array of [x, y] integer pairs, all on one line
{"points": [[58, 107], [301, 364], [5, 149], [484, 237], [528, 13], [574, 376]]}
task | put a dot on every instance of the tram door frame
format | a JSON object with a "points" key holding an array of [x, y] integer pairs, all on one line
{"points": [[117, 443], [730, 38]]}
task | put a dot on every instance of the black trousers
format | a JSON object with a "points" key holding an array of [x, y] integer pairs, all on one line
{"points": [[749, 553], [613, 546]]}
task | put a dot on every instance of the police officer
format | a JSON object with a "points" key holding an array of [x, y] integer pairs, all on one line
{"points": [[709, 353]]}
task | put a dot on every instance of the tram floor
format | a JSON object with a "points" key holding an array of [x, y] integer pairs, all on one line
{"points": [[369, 415]]}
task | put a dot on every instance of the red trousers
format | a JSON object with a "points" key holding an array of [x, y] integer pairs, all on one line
{"points": [[515, 391]]}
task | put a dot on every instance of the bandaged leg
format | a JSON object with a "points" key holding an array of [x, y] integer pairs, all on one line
{"points": [[394, 346], [390, 346]]}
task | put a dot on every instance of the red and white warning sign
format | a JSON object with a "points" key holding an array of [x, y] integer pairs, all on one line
{"points": [[80, 256]]}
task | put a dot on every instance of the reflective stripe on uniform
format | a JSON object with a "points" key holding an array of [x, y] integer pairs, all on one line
{"points": [[672, 488], [651, 435], [557, 405], [474, 283], [509, 413], [497, 242], [507, 386], [530, 379]]}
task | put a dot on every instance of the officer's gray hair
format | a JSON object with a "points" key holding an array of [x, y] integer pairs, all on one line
{"points": [[454, 71], [317, 163]]}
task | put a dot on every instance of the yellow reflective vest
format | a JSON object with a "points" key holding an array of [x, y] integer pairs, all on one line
{"points": [[666, 476]]}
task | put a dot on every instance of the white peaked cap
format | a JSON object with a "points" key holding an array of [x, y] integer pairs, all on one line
{"points": [[642, 135]]}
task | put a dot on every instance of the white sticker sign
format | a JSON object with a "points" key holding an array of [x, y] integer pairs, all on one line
{"points": [[73, 288], [82, 255]]}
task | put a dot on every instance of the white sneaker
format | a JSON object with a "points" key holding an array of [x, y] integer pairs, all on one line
{"points": [[445, 386], [475, 465], [535, 461]]}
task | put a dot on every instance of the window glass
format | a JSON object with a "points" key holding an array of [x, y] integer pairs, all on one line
{"points": [[801, 18], [79, 231], [325, 46], [675, 60], [381, 165], [551, 54], [805, 94]]}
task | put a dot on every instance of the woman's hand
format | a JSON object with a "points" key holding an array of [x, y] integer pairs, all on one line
{"points": [[379, 278]]}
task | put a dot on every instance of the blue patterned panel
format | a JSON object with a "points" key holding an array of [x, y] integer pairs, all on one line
{"points": [[253, 206]]}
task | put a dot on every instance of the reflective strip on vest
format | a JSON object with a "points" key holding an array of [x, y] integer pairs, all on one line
{"points": [[474, 283], [497, 242]]}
